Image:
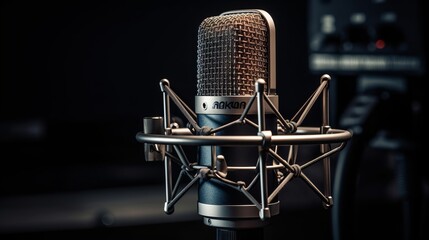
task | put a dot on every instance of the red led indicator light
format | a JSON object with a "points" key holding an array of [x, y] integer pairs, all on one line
{"points": [[380, 44]]}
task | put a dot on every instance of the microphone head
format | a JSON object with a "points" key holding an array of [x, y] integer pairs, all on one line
{"points": [[233, 52]]}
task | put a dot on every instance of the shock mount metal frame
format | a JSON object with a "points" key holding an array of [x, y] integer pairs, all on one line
{"points": [[290, 133]]}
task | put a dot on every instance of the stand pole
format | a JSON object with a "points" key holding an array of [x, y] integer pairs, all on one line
{"points": [[240, 234]]}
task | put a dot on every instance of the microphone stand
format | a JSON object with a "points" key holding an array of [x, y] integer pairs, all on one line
{"points": [[240, 234]]}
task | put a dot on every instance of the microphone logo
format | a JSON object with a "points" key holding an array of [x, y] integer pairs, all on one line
{"points": [[229, 105]]}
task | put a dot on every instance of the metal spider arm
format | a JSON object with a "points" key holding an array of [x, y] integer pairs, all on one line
{"points": [[301, 109], [286, 125], [215, 130], [296, 170], [293, 154], [239, 186], [279, 159], [324, 129], [169, 203], [242, 119], [179, 179], [263, 183], [222, 178], [284, 181], [306, 107], [226, 181], [250, 122], [327, 200], [172, 157], [281, 185], [182, 156], [253, 182], [324, 155], [186, 111], [186, 169], [263, 149]]}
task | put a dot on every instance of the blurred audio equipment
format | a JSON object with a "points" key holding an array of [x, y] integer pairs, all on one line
{"points": [[376, 50]]}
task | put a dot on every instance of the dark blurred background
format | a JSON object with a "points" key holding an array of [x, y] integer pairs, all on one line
{"points": [[77, 78]]}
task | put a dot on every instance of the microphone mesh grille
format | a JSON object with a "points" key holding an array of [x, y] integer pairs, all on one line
{"points": [[232, 54]]}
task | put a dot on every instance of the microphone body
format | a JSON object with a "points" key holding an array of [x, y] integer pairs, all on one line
{"points": [[233, 52]]}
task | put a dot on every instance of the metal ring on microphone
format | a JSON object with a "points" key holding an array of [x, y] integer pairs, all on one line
{"points": [[304, 135]]}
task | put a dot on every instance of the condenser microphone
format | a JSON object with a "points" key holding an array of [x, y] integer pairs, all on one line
{"points": [[235, 56], [238, 130]]}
